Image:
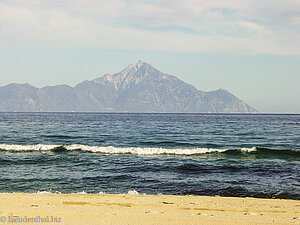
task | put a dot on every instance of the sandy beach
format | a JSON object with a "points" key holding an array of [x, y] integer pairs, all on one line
{"points": [[144, 209]]}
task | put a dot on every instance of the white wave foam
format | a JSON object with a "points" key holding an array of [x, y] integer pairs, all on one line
{"points": [[39, 147], [133, 192], [253, 149], [130, 192], [118, 150], [48, 192], [143, 151]]}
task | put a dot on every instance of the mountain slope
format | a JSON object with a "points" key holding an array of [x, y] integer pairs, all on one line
{"points": [[138, 88], [19, 97]]}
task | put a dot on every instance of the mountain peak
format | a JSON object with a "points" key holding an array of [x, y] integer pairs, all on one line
{"points": [[140, 87], [140, 63], [136, 66]]}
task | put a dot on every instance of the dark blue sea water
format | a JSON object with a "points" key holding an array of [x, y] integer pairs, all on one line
{"points": [[200, 154]]}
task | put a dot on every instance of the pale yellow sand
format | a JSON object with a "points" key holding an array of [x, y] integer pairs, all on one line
{"points": [[146, 209]]}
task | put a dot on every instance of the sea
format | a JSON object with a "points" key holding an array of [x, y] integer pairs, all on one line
{"points": [[242, 155]]}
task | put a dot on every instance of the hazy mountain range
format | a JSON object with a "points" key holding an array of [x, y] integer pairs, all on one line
{"points": [[138, 88]]}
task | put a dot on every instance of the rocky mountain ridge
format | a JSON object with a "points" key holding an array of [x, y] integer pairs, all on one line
{"points": [[138, 88]]}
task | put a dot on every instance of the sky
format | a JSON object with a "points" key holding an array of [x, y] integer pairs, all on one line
{"points": [[248, 47]]}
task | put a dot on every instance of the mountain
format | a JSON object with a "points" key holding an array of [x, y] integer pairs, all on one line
{"points": [[138, 88]]}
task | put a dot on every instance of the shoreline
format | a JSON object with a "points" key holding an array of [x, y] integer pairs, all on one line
{"points": [[144, 209]]}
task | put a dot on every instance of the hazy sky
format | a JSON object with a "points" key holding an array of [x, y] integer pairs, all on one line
{"points": [[249, 47]]}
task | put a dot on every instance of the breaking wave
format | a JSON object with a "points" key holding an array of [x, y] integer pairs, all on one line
{"points": [[116, 150], [264, 152]]}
